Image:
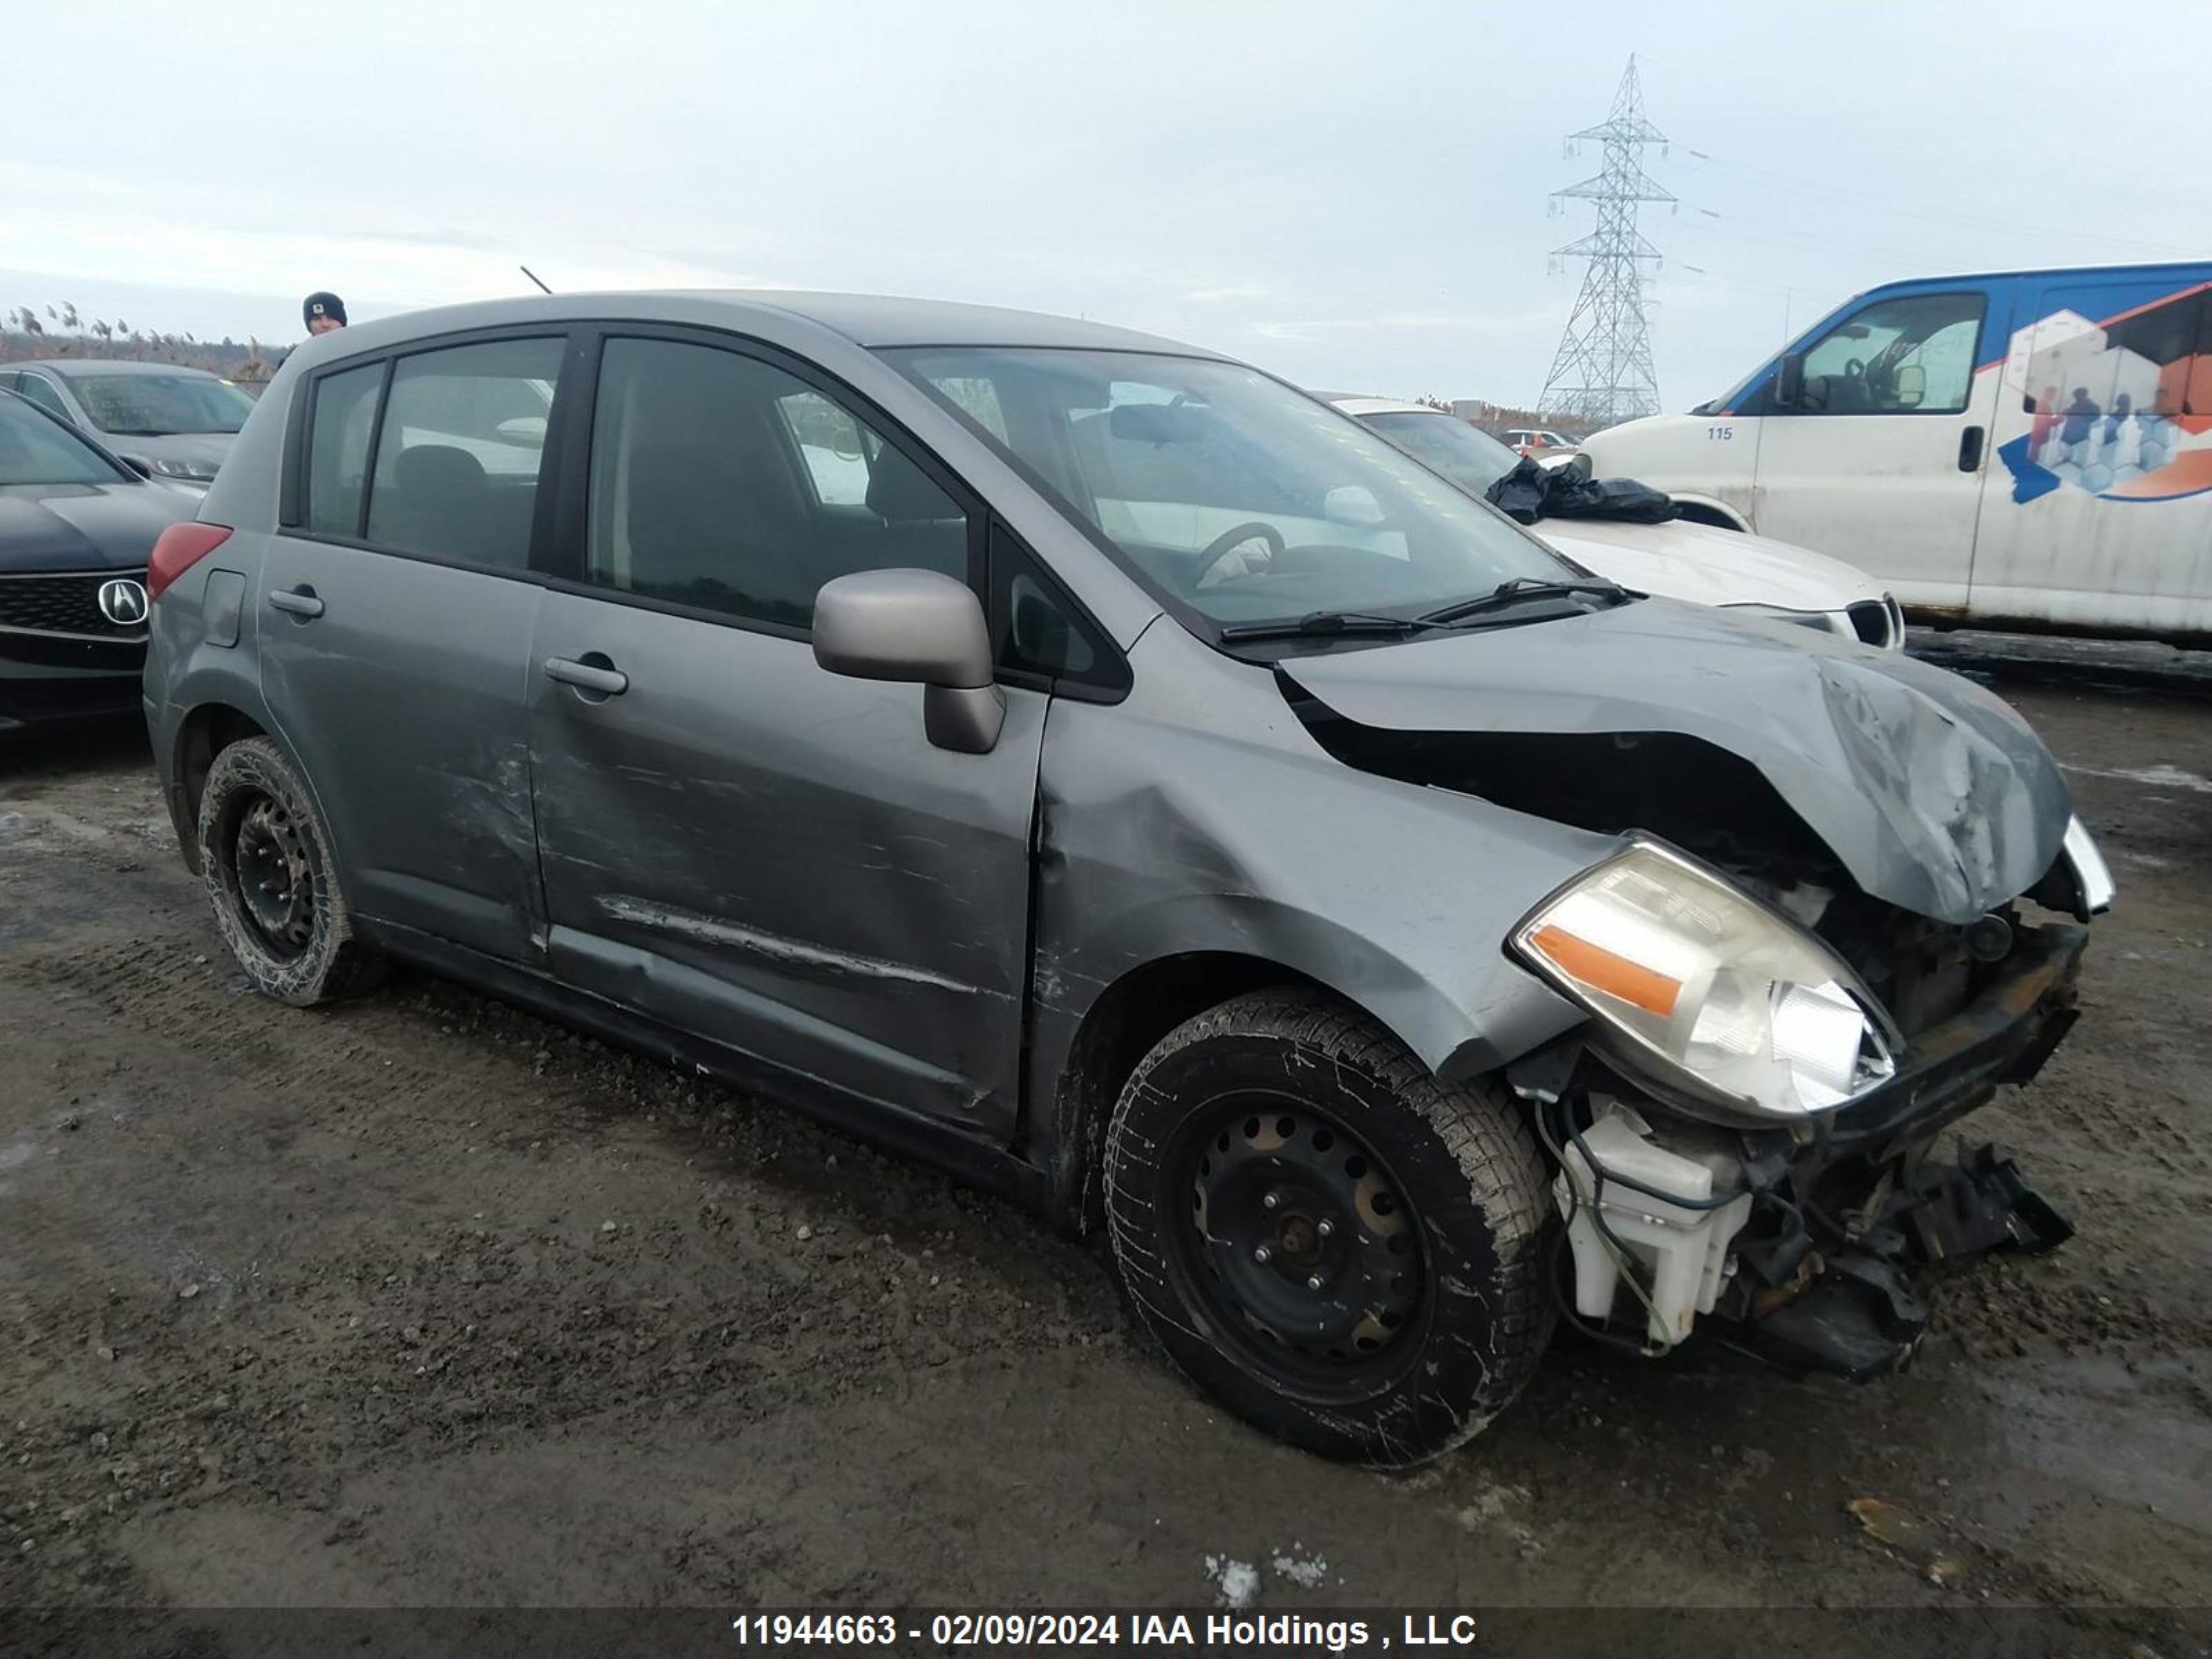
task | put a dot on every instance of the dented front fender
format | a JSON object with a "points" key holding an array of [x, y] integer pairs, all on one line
{"points": [[1200, 815]]}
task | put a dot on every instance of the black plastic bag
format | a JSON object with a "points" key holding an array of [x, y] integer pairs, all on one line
{"points": [[1530, 492]]}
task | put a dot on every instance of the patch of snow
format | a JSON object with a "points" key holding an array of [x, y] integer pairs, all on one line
{"points": [[1237, 1581], [1309, 1572]]}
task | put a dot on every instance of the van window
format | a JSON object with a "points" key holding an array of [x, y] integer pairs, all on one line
{"points": [[344, 414], [457, 452], [723, 482], [1913, 355], [2145, 363]]}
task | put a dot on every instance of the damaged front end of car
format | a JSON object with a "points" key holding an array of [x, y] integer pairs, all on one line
{"points": [[1847, 901], [1782, 1168]]}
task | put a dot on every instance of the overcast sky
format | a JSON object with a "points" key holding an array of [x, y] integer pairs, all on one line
{"points": [[1353, 195]]}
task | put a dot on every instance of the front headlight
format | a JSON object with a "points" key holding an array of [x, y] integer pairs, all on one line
{"points": [[197, 471], [1716, 998]]}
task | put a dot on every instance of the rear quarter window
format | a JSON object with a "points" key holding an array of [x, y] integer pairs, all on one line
{"points": [[342, 419]]}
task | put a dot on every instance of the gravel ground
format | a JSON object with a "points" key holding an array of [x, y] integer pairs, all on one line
{"points": [[423, 1302]]}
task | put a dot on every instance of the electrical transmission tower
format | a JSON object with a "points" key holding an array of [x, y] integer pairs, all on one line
{"points": [[1603, 372]]}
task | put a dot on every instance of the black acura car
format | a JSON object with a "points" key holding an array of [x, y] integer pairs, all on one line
{"points": [[76, 527]]}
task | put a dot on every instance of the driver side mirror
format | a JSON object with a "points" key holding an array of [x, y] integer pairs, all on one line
{"points": [[922, 627], [1789, 380], [144, 468]]}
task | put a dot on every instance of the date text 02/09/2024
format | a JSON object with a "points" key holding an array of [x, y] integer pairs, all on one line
{"points": [[1108, 1630]]}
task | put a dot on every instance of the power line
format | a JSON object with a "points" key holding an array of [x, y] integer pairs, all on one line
{"points": [[1602, 371]]}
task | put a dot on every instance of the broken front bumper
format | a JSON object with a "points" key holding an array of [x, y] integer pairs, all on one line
{"points": [[1818, 1267]]}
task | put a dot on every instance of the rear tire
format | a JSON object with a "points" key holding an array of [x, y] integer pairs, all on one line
{"points": [[1312, 1229], [266, 859]]}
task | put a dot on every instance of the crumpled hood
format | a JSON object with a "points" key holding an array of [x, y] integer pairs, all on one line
{"points": [[1681, 560], [1928, 790], [84, 527]]}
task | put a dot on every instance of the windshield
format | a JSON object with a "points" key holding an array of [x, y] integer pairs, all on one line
{"points": [[1229, 494], [1471, 458], [35, 450], [160, 405]]}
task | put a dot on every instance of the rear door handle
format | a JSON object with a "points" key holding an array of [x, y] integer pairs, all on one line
{"points": [[296, 601], [1970, 449], [601, 676]]}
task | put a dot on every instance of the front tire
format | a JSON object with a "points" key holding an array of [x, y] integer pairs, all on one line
{"points": [[1312, 1229], [266, 859]]}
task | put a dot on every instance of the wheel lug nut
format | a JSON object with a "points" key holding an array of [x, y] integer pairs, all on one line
{"points": [[1327, 1227], [1271, 1201], [1262, 1255], [1314, 1283]]}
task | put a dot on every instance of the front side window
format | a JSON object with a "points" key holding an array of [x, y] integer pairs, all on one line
{"points": [[160, 405], [725, 484], [1897, 356], [34, 450], [457, 452], [837, 449], [1229, 493]]}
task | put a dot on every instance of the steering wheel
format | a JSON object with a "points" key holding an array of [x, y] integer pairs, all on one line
{"points": [[1218, 550], [1854, 370]]}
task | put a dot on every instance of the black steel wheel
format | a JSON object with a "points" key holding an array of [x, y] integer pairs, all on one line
{"points": [[265, 860], [1299, 1240], [1308, 1224], [276, 882]]}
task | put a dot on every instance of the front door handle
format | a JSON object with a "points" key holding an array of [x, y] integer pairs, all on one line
{"points": [[601, 676], [1970, 450], [296, 601]]}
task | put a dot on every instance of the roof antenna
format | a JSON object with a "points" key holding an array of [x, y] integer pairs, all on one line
{"points": [[532, 275]]}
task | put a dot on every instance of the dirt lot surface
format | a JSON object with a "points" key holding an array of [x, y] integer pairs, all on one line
{"points": [[424, 1301]]}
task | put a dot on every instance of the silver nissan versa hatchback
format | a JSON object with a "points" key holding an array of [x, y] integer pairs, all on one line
{"points": [[1093, 764]]}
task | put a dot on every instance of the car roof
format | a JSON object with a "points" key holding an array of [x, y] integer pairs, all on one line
{"points": [[68, 366], [870, 320]]}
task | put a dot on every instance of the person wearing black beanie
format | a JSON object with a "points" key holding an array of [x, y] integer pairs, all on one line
{"points": [[322, 312]]}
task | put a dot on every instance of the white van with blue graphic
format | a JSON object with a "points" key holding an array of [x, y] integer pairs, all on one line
{"points": [[2024, 449]]}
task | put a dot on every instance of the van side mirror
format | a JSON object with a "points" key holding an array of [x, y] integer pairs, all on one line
{"points": [[923, 628], [1789, 380], [1911, 389]]}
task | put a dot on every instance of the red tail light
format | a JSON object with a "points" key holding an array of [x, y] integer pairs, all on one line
{"points": [[180, 548]]}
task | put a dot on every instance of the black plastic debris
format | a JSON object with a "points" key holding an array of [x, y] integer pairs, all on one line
{"points": [[1530, 492]]}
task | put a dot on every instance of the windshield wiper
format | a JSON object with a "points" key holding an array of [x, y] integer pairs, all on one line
{"points": [[1323, 625], [1520, 588]]}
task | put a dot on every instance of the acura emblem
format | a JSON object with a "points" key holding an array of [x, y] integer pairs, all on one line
{"points": [[123, 602]]}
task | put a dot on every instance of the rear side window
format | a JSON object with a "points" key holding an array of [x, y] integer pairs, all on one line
{"points": [[345, 418], [459, 449]]}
